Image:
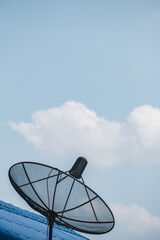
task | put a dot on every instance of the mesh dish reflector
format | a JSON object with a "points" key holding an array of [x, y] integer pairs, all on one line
{"points": [[49, 190]]}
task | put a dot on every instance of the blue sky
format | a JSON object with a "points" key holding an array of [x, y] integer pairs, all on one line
{"points": [[92, 69]]}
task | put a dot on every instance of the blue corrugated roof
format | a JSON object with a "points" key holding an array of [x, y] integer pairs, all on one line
{"points": [[18, 224]]}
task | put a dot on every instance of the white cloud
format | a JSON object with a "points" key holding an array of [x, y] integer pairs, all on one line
{"points": [[135, 218], [74, 129]]}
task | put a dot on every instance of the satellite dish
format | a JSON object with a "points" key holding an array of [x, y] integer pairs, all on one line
{"points": [[61, 197]]}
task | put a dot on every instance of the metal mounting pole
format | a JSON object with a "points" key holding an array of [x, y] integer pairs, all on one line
{"points": [[50, 230], [51, 219]]}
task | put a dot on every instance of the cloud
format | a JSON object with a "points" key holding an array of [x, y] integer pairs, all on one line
{"points": [[74, 129], [135, 218]]}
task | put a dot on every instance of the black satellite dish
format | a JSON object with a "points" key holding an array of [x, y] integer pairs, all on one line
{"points": [[61, 197]]}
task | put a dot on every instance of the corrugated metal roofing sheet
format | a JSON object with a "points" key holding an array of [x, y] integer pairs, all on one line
{"points": [[18, 224]]}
